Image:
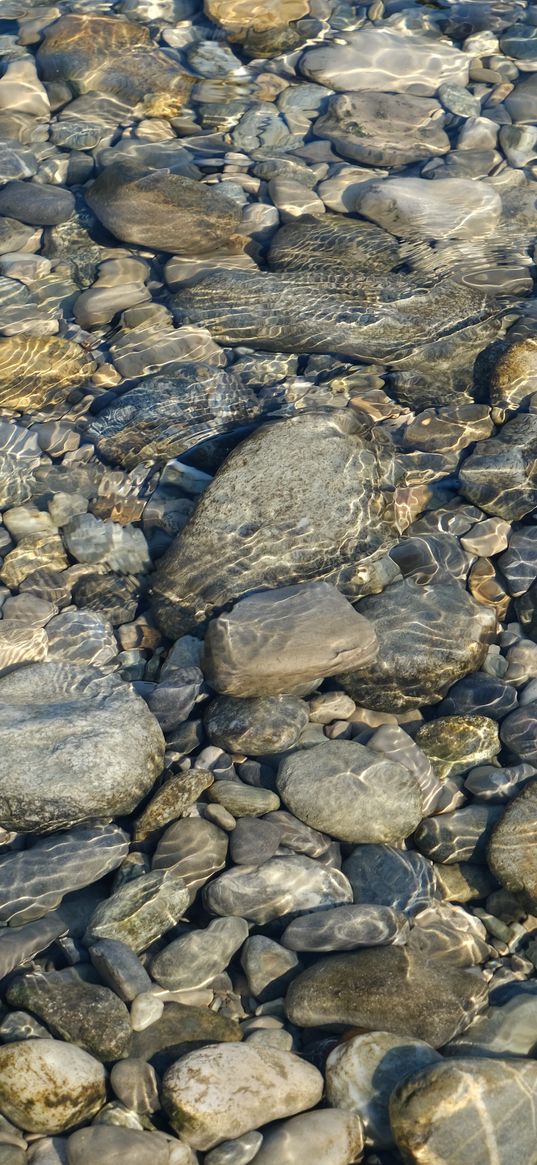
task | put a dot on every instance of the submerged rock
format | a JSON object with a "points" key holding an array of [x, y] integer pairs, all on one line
{"points": [[289, 525], [47, 1086]]}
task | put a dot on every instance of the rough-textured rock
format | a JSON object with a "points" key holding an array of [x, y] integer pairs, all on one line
{"points": [[387, 988], [47, 1086], [361, 1074], [227, 1090], [77, 744], [277, 888], [140, 910], [285, 640], [479, 1110], [79, 1012], [429, 637], [164, 210], [351, 792], [290, 526]]}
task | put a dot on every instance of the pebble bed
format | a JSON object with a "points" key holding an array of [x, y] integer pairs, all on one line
{"points": [[268, 582]]}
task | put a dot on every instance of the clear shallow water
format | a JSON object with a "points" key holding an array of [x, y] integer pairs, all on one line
{"points": [[268, 712]]}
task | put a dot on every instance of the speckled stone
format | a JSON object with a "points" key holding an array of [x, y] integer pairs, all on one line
{"points": [[227, 1090], [387, 987], [79, 1012], [47, 1086], [455, 744], [420, 655]]}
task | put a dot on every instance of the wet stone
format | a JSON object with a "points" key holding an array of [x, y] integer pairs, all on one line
{"points": [[419, 657], [333, 1136], [199, 573], [362, 1072], [417, 208], [480, 694], [387, 987], [344, 789], [171, 801], [109, 1143], [38, 371], [401, 879], [140, 911], [164, 210], [501, 1094], [277, 888], [461, 836], [119, 968], [455, 744], [384, 129], [193, 960], [243, 800], [345, 928], [80, 1012], [135, 1084], [498, 475], [384, 59], [511, 851], [194, 849], [255, 727], [94, 726], [178, 1030], [449, 933], [268, 966], [253, 841], [519, 732], [297, 633]]}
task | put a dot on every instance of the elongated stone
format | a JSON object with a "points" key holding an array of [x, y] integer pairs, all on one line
{"points": [[279, 887]]}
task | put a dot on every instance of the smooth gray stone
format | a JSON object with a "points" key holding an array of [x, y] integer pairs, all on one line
{"points": [[450, 934], [20, 1025], [361, 1074], [351, 792], [488, 783], [344, 245], [518, 563], [268, 966], [227, 549], [416, 208], [240, 1151], [279, 887], [193, 848], [285, 640], [402, 879], [346, 927], [461, 836], [226, 1090], [478, 1110], [298, 837], [519, 732], [110, 1143], [500, 474], [164, 210], [384, 129], [82, 1013], [387, 988], [119, 968], [20, 944], [194, 959], [253, 841], [135, 1084], [14, 235], [385, 59], [77, 744], [429, 637], [34, 881], [503, 1032], [512, 853], [36, 203], [140, 911], [257, 726], [326, 1135]]}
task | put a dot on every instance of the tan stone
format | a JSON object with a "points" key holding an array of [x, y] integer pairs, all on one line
{"points": [[260, 15]]}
